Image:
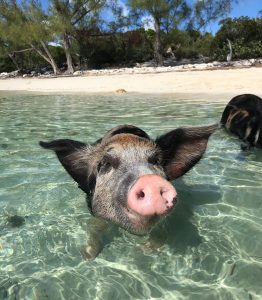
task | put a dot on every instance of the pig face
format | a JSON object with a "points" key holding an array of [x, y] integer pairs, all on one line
{"points": [[126, 174]]}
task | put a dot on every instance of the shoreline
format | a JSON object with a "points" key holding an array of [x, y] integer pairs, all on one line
{"points": [[222, 81]]}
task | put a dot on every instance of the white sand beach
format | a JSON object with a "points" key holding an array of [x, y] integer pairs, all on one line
{"points": [[212, 82]]}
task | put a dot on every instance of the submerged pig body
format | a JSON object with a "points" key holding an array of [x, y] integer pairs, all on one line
{"points": [[126, 174]]}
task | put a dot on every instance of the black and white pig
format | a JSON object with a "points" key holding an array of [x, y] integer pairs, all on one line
{"points": [[243, 117], [126, 174]]}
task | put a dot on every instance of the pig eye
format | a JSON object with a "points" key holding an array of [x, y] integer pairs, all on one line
{"points": [[107, 163], [154, 159]]}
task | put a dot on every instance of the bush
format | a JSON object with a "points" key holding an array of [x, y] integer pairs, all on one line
{"points": [[189, 44], [6, 64], [245, 35], [118, 49]]}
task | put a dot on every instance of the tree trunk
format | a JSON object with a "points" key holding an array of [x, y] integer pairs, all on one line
{"points": [[69, 61], [48, 57], [158, 45], [51, 59], [12, 57]]}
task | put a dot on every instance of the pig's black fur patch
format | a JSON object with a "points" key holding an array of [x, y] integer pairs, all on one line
{"points": [[243, 117]]}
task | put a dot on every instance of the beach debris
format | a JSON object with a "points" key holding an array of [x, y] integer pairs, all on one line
{"points": [[170, 65], [78, 73], [3, 74], [10, 74], [120, 92]]}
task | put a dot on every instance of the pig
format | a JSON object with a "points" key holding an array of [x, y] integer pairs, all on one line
{"points": [[126, 174], [243, 117]]}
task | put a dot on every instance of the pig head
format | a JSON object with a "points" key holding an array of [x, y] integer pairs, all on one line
{"points": [[126, 174]]}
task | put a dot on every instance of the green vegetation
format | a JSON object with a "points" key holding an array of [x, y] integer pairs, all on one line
{"points": [[169, 14], [75, 34], [245, 35]]}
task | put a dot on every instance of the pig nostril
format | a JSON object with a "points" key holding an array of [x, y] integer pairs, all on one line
{"points": [[140, 195], [162, 191]]}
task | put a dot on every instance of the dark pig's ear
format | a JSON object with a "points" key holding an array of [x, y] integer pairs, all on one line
{"points": [[182, 148], [73, 155]]}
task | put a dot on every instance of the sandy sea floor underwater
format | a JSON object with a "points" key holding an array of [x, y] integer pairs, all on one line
{"points": [[209, 248]]}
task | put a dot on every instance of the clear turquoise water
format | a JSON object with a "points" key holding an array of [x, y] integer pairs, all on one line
{"points": [[210, 248]]}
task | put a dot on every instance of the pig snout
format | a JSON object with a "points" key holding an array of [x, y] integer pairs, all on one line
{"points": [[151, 195]]}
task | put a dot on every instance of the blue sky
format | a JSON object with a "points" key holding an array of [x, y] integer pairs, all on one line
{"points": [[248, 8]]}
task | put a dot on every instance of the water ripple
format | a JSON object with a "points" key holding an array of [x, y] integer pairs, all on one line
{"points": [[209, 248]]}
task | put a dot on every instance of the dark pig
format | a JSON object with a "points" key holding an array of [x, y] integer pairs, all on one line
{"points": [[243, 117], [126, 174]]}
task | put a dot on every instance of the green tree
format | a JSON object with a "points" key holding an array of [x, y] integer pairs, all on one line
{"points": [[68, 16], [163, 12], [25, 27], [245, 35], [169, 14], [206, 11]]}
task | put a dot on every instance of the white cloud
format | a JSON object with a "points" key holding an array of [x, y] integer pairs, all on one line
{"points": [[108, 14], [148, 22], [124, 7]]}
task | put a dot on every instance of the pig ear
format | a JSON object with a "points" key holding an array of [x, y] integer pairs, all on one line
{"points": [[182, 148], [73, 157]]}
